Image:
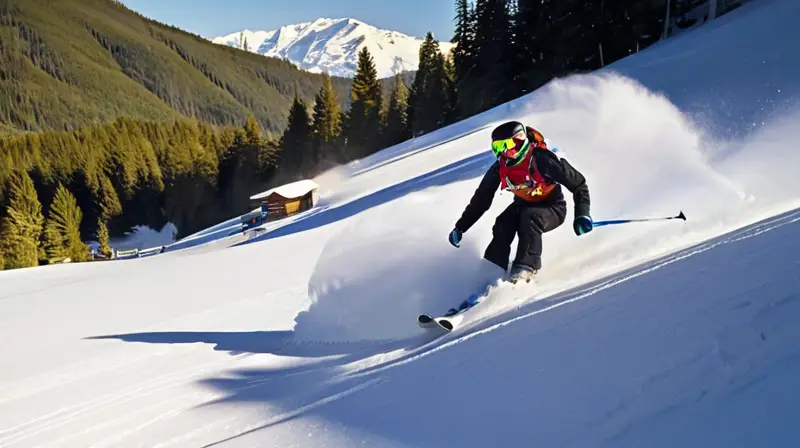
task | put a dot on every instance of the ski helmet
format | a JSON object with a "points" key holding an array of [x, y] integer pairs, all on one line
{"points": [[511, 141]]}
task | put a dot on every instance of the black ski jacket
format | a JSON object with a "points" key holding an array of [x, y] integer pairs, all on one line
{"points": [[551, 167]]}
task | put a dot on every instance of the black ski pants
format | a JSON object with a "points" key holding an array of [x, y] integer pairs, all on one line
{"points": [[529, 221]]}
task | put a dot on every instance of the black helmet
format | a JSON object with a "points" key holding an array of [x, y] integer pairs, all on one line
{"points": [[510, 139]]}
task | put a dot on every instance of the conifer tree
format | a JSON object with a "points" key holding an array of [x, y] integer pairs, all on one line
{"points": [[430, 101], [451, 108], [103, 239], [527, 27], [295, 143], [106, 199], [494, 52], [463, 38], [396, 126], [252, 132], [419, 101], [265, 156], [21, 229], [62, 229], [362, 128], [327, 122]]}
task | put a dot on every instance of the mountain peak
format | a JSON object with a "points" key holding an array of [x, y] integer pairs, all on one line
{"points": [[331, 45]]}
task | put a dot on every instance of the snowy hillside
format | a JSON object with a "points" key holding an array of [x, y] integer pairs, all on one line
{"points": [[332, 46], [658, 334]]}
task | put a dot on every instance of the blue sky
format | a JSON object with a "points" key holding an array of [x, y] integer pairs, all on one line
{"points": [[211, 18]]}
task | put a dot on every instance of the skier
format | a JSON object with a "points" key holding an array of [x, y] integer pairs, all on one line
{"points": [[528, 168]]}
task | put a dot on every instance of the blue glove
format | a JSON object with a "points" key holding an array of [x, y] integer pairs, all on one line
{"points": [[582, 225], [455, 237]]}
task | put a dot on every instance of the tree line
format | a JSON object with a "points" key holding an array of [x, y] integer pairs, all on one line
{"points": [[505, 49], [328, 135], [100, 181], [103, 180]]}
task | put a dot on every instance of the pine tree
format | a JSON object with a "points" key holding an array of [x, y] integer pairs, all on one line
{"points": [[494, 49], [21, 229], [527, 27], [103, 239], [430, 100], [463, 38], [264, 155], [493, 36], [295, 143], [362, 126], [451, 109], [397, 126], [327, 122], [62, 229], [252, 132], [106, 199], [419, 101]]}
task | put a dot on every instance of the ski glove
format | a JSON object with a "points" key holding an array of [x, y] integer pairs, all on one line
{"points": [[455, 237], [582, 225]]}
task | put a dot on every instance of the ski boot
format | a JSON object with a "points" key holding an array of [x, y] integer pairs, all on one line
{"points": [[521, 273]]}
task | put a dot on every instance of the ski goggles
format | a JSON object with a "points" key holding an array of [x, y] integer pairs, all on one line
{"points": [[510, 146]]}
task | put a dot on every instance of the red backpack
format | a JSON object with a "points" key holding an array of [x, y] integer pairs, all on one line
{"points": [[524, 178]]}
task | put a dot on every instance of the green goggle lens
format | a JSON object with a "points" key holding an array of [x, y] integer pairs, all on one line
{"points": [[501, 146]]}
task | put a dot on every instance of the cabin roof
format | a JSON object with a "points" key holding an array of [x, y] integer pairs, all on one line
{"points": [[289, 191]]}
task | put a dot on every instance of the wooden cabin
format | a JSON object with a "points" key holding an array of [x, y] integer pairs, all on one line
{"points": [[287, 200]]}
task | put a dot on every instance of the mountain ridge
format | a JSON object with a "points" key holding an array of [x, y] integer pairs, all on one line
{"points": [[77, 63], [331, 45]]}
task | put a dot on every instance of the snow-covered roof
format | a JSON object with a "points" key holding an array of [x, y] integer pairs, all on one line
{"points": [[289, 191]]}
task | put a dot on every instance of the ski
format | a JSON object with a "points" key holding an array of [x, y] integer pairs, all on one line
{"points": [[446, 322], [450, 320], [453, 317]]}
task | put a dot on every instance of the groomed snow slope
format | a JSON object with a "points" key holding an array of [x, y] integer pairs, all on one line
{"points": [[640, 335]]}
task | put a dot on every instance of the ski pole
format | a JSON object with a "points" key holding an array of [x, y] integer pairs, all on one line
{"points": [[625, 221]]}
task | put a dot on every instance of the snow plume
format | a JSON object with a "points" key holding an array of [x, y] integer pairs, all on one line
{"points": [[380, 271], [642, 158]]}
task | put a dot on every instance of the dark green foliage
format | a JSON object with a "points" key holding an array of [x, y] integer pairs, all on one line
{"points": [[103, 239], [362, 128], [507, 48], [62, 237], [396, 128], [21, 228], [296, 149], [327, 126], [431, 99], [464, 40], [133, 172], [70, 64]]}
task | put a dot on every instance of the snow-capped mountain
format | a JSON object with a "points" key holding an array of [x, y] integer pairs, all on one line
{"points": [[332, 46]]}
